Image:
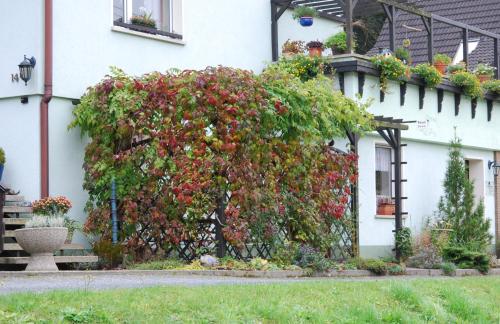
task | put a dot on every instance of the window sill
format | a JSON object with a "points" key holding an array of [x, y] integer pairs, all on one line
{"points": [[389, 216], [157, 37]]}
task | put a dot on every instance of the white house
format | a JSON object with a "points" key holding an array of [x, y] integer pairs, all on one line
{"points": [[75, 42]]}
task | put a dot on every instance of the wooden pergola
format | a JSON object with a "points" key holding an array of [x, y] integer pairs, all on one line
{"points": [[390, 130], [342, 11]]}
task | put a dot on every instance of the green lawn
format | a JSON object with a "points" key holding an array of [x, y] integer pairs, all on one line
{"points": [[465, 300]]}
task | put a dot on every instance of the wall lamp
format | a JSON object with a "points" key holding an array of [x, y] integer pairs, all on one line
{"points": [[25, 68], [496, 167]]}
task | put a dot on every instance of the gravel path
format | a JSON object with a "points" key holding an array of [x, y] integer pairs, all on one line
{"points": [[89, 282], [36, 283]]}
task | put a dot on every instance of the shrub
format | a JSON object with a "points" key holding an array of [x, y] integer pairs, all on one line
{"points": [[110, 255], [485, 69], [441, 59], [468, 82], [2, 156], [449, 268], [310, 258], [403, 243], [467, 259], [302, 66], [457, 211], [378, 267], [285, 254], [426, 253], [492, 86], [165, 264], [303, 11], [391, 68], [221, 136], [295, 47], [396, 270], [429, 74]]}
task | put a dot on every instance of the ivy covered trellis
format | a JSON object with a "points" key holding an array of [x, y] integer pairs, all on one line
{"points": [[219, 160]]}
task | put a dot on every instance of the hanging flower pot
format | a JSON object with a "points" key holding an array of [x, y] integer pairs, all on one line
{"points": [[306, 21], [305, 15], [315, 48]]}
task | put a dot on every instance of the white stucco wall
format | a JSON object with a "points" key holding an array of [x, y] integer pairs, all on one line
{"points": [[21, 35], [426, 153], [234, 33], [19, 137]]}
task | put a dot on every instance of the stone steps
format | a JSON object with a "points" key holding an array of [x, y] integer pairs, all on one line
{"points": [[17, 247], [15, 205], [59, 259], [15, 221], [17, 210], [14, 198]]}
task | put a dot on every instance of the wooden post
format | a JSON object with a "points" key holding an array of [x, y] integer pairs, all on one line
{"points": [[430, 41], [392, 28], [398, 186], [497, 207], [348, 26], [496, 62], [220, 221], [465, 42]]}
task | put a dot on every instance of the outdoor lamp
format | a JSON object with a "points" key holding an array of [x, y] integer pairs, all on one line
{"points": [[25, 68], [496, 167]]}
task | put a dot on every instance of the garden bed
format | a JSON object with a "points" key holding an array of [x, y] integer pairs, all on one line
{"points": [[274, 274]]}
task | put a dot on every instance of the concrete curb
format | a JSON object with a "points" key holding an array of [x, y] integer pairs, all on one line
{"points": [[278, 274]]}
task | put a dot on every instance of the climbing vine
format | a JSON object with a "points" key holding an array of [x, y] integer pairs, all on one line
{"points": [[182, 144]]}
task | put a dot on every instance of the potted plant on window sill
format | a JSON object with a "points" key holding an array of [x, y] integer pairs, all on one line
{"points": [[338, 43], [385, 206], [315, 48], [484, 72], [441, 62], [143, 20], [305, 15], [291, 48], [2, 162]]}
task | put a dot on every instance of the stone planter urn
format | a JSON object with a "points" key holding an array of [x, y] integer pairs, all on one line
{"points": [[40, 243]]}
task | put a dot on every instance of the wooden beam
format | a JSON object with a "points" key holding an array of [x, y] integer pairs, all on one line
{"points": [[406, 8]]}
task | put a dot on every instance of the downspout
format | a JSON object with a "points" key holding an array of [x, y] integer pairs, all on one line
{"points": [[47, 96]]}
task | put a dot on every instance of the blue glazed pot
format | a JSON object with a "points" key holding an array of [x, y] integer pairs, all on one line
{"points": [[306, 21], [1, 171]]}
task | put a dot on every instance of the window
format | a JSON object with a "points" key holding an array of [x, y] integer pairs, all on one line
{"points": [[161, 17], [383, 180], [459, 55]]}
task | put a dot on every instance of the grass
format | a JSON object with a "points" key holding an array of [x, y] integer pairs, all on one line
{"points": [[448, 300]]}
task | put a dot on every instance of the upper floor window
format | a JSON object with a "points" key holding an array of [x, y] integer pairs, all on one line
{"points": [[151, 16]]}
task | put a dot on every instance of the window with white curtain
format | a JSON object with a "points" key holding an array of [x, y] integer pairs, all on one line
{"points": [[383, 172], [167, 14]]}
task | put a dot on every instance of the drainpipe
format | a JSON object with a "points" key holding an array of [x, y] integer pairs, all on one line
{"points": [[47, 96]]}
